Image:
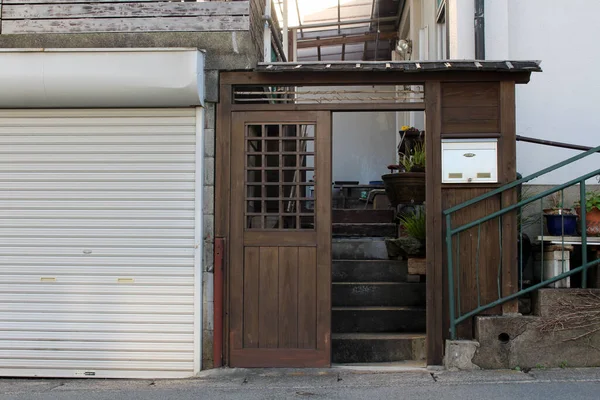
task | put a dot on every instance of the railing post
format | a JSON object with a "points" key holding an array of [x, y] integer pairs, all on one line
{"points": [[583, 233], [450, 277]]}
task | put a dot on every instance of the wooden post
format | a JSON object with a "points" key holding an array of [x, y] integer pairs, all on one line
{"points": [[508, 159], [435, 282]]}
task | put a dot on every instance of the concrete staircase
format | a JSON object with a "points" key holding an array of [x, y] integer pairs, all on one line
{"points": [[377, 316]]}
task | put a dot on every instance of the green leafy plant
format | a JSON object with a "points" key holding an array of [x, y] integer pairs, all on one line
{"points": [[414, 159], [414, 224], [592, 200], [563, 364]]}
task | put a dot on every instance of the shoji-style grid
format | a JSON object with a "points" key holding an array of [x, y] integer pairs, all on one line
{"points": [[279, 173]]}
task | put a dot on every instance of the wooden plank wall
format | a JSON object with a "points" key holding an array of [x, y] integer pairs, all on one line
{"points": [[85, 16], [480, 110]]}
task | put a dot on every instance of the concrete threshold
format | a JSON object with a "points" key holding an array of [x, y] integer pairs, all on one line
{"points": [[398, 366]]}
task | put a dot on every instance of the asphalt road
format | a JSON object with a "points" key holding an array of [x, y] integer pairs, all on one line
{"points": [[322, 384]]}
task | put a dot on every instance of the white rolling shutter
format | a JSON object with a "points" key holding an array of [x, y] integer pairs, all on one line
{"points": [[97, 233]]}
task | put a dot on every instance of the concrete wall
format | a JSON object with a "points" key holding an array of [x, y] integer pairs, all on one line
{"points": [[208, 211], [363, 145]]}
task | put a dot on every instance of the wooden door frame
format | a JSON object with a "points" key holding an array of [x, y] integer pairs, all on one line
{"points": [[432, 106]]}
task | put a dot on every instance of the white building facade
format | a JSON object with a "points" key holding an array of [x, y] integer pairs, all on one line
{"points": [[559, 104]]}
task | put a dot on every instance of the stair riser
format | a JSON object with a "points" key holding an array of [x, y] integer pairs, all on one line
{"points": [[369, 271], [357, 295], [377, 321], [378, 350], [362, 216], [365, 230], [363, 249]]}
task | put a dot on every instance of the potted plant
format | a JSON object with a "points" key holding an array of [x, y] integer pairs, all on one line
{"points": [[560, 220], [592, 215], [411, 243], [407, 186]]}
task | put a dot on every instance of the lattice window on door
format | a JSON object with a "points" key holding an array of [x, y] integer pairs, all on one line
{"points": [[279, 176]]}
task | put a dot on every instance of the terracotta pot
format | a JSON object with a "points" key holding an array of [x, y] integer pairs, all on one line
{"points": [[405, 187], [592, 221]]}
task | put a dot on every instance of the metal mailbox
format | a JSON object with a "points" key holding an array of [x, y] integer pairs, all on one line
{"points": [[470, 161]]}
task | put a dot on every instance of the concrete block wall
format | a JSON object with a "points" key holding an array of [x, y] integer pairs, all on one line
{"points": [[209, 234]]}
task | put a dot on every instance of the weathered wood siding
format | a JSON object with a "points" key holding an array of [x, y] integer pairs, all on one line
{"points": [[485, 260], [84, 16]]}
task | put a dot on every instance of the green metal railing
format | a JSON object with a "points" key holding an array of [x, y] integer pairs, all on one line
{"points": [[454, 285]]}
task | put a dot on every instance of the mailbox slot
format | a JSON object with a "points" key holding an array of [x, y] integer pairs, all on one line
{"points": [[469, 160]]}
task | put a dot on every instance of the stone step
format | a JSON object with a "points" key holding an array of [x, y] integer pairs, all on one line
{"points": [[359, 249], [376, 347], [369, 271], [389, 230], [378, 319], [346, 216], [388, 294]]}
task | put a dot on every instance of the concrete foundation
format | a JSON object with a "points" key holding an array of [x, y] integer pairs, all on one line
{"points": [[548, 339], [459, 355]]}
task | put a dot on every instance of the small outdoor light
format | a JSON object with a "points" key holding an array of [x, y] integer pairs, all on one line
{"points": [[404, 46]]}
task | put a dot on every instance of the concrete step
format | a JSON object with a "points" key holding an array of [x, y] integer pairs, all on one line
{"points": [[387, 294], [389, 230], [369, 271], [346, 216], [376, 347], [359, 249], [377, 319]]}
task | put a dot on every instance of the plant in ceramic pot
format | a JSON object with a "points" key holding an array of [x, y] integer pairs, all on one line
{"points": [[407, 186], [559, 219], [592, 215]]}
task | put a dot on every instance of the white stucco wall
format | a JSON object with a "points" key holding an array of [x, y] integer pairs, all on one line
{"points": [[561, 103], [363, 145], [461, 29]]}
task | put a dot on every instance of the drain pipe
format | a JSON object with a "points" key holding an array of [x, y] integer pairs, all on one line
{"points": [[271, 33], [479, 30]]}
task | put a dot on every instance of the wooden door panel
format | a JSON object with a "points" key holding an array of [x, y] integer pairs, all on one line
{"points": [[288, 297], [250, 292], [268, 298], [307, 295], [280, 240]]}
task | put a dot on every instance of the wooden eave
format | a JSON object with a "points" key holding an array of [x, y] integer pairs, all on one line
{"points": [[382, 73]]}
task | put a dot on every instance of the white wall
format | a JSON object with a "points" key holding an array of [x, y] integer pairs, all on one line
{"points": [[364, 144], [461, 29], [563, 102]]}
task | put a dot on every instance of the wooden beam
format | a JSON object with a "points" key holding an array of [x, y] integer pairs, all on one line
{"points": [[123, 10], [157, 24], [323, 78], [338, 107], [342, 40]]}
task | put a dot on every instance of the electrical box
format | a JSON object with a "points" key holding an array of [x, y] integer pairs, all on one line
{"points": [[469, 160]]}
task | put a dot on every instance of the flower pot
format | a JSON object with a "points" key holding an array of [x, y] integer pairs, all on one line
{"points": [[561, 224], [405, 187], [592, 221]]}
